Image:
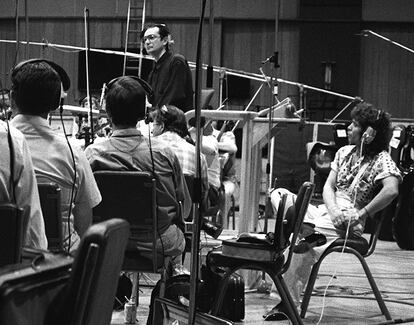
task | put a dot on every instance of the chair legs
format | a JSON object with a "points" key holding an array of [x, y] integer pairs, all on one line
{"points": [[231, 213], [313, 276], [309, 288], [130, 308], [287, 299], [377, 293]]}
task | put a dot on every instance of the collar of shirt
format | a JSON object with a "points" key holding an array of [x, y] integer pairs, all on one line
{"points": [[163, 59], [27, 123], [124, 133]]}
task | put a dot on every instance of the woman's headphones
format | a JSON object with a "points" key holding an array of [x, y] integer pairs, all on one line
{"points": [[370, 132], [64, 78]]}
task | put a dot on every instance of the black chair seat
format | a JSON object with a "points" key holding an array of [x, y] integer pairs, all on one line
{"points": [[359, 244], [216, 258]]}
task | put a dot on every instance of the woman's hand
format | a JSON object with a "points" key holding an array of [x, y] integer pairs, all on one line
{"points": [[337, 216]]}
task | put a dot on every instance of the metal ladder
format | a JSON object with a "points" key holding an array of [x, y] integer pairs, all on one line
{"points": [[135, 24]]}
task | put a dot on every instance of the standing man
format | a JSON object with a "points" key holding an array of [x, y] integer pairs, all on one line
{"points": [[170, 77]]}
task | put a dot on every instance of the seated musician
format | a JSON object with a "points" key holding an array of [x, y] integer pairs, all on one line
{"points": [[128, 149], [22, 190], [363, 180], [170, 127], [227, 154], [36, 91]]}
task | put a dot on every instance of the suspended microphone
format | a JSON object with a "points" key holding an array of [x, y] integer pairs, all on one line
{"points": [[364, 33], [267, 60]]}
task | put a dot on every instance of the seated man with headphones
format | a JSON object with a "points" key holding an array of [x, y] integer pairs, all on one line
{"points": [[36, 90], [18, 184], [128, 149], [362, 181]]}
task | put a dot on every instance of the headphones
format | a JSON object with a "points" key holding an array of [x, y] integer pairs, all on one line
{"points": [[64, 78], [145, 85], [369, 135]]}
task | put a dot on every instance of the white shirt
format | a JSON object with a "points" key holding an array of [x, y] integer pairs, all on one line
{"points": [[52, 161], [25, 185]]}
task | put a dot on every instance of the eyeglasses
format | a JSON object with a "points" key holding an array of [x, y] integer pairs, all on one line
{"points": [[150, 38]]}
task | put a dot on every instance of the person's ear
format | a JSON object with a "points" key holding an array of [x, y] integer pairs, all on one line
{"points": [[165, 41]]}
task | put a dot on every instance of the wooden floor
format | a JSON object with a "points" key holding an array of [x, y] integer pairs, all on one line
{"points": [[349, 299]]}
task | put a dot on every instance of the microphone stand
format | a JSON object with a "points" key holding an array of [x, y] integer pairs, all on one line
{"points": [[195, 240], [367, 32], [89, 136], [265, 286]]}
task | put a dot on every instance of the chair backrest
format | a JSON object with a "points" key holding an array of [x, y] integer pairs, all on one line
{"points": [[279, 239], [12, 233], [129, 195], [206, 95], [376, 228], [189, 180], [50, 201], [92, 286], [295, 215]]}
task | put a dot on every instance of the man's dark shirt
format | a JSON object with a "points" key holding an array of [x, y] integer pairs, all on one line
{"points": [[171, 82]]}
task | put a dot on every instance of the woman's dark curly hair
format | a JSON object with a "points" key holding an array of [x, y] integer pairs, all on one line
{"points": [[366, 115], [173, 118]]}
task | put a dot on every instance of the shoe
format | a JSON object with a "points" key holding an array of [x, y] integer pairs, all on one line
{"points": [[311, 241], [212, 229], [278, 312]]}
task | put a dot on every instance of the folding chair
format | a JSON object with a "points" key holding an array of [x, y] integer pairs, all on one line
{"points": [[361, 249], [131, 195], [266, 257], [90, 292]]}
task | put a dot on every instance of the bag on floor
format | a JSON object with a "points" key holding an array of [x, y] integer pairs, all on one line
{"points": [[29, 290]]}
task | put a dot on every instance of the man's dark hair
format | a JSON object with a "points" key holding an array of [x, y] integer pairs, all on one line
{"points": [[125, 102], [173, 118], [36, 88], [163, 30], [366, 115]]}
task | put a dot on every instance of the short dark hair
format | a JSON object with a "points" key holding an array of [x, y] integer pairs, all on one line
{"points": [[163, 30], [36, 88], [366, 115], [173, 118], [125, 101]]}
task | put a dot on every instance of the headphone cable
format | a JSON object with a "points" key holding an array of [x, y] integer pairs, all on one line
{"points": [[153, 172], [72, 193], [345, 239], [11, 150]]}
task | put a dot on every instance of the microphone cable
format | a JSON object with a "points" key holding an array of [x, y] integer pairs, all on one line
{"points": [[72, 193]]}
